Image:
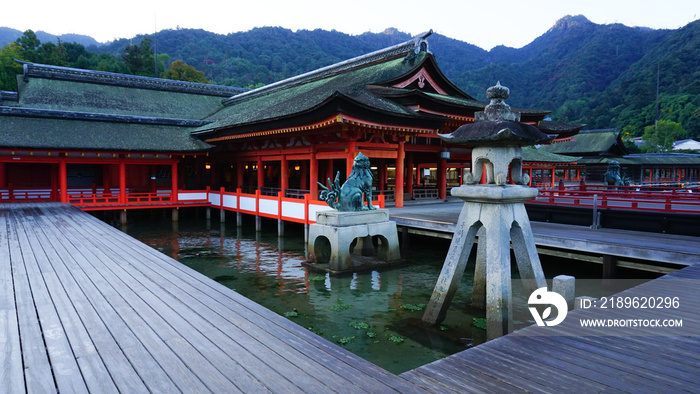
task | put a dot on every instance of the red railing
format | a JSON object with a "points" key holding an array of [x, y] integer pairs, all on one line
{"points": [[87, 198], [657, 199], [25, 194]]}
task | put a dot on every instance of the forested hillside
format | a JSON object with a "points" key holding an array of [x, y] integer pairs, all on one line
{"points": [[600, 75]]}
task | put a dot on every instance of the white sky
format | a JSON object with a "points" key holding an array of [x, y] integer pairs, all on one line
{"points": [[485, 23]]}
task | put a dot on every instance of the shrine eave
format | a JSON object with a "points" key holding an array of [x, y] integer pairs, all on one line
{"points": [[326, 123]]}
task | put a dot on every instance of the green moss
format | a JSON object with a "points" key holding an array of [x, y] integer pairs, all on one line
{"points": [[479, 322], [340, 306], [396, 339], [359, 325], [411, 307]]}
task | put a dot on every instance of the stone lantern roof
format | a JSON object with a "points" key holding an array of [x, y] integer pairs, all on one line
{"points": [[497, 125]]}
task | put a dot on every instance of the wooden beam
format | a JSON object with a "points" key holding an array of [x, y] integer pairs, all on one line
{"points": [[63, 180]]}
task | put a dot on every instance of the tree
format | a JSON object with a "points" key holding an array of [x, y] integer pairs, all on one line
{"points": [[29, 44], [140, 59], [8, 67], [661, 137], [181, 71]]}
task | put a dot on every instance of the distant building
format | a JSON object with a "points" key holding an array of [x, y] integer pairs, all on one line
{"points": [[598, 147], [687, 145]]}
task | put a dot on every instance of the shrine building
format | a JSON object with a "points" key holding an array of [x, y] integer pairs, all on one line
{"points": [[113, 141]]}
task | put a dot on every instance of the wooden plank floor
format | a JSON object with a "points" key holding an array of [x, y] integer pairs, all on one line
{"points": [[668, 248], [572, 358], [86, 308]]}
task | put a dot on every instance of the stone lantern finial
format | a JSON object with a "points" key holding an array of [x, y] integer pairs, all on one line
{"points": [[497, 109]]}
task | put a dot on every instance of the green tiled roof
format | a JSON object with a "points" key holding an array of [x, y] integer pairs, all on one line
{"points": [[63, 95], [532, 154], [362, 85], [302, 98], [586, 143], [21, 132]]}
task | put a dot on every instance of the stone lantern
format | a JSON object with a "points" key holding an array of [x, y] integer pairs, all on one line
{"points": [[494, 211]]}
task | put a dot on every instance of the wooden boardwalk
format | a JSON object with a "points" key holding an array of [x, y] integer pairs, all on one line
{"points": [[572, 358], [441, 218], [86, 308]]}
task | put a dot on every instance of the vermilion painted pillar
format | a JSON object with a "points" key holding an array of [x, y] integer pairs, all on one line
{"points": [[54, 180], [313, 176], [398, 192], [122, 182], [442, 179], [553, 172], [238, 182], [349, 159], [409, 173], [63, 180], [173, 181], [382, 175], [284, 175], [261, 173]]}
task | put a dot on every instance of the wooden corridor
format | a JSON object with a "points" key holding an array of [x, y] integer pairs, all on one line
{"points": [[86, 308], [580, 359]]}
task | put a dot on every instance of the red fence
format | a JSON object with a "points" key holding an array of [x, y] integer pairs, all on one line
{"points": [[657, 199]]}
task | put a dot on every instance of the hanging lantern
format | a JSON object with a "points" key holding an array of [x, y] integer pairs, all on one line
{"points": [[445, 154]]}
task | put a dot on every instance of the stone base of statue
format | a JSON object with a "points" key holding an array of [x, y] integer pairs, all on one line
{"points": [[341, 242], [497, 215]]}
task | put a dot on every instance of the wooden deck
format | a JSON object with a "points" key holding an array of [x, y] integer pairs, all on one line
{"points": [[86, 308], [679, 250], [572, 358]]}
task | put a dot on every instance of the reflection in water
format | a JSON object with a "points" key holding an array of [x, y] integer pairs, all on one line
{"points": [[375, 315]]}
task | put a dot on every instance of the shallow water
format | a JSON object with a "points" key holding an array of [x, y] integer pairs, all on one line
{"points": [[375, 315]]}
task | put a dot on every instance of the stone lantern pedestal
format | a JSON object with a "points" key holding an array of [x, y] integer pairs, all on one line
{"points": [[497, 214], [495, 211]]}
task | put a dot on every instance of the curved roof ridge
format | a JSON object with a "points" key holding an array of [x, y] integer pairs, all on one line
{"points": [[414, 44], [116, 79], [73, 115]]}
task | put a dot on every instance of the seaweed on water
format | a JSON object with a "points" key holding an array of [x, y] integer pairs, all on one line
{"points": [[479, 322], [340, 306], [412, 307], [359, 325]]}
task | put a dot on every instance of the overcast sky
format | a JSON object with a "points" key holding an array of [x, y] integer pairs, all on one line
{"points": [[484, 23]]}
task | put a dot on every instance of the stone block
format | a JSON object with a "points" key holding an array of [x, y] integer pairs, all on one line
{"points": [[331, 243], [565, 285], [342, 219]]}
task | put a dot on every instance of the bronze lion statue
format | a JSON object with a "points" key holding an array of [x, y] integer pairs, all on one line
{"points": [[355, 192]]}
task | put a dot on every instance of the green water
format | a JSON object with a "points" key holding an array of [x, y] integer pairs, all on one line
{"points": [[376, 315]]}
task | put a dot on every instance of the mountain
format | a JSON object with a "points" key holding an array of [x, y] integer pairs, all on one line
{"points": [[600, 75], [8, 35]]}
